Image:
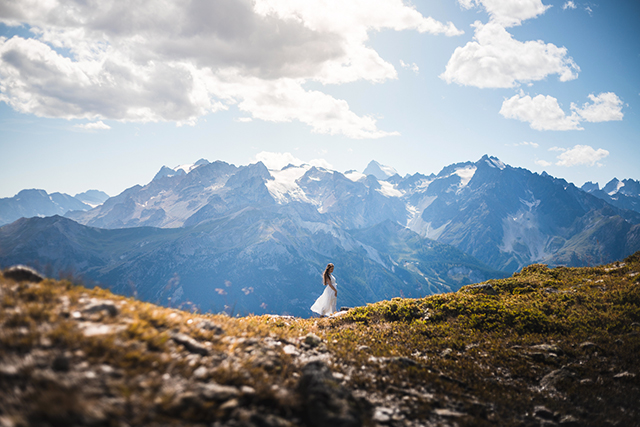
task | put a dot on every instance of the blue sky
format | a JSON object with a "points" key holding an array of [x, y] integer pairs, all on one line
{"points": [[101, 94]]}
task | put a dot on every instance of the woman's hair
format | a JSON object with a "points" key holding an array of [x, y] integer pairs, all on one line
{"points": [[326, 276]]}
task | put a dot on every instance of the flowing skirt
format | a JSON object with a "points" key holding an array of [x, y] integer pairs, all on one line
{"points": [[325, 305]]}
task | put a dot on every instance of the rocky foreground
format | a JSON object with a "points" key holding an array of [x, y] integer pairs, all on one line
{"points": [[545, 347]]}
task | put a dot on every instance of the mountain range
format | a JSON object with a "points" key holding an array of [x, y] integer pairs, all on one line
{"points": [[250, 239], [33, 203]]}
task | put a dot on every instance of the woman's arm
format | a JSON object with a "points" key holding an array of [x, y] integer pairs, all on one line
{"points": [[331, 285]]}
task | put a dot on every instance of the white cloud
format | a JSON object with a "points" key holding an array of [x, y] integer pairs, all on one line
{"points": [[543, 163], [541, 112], [581, 155], [244, 119], [494, 59], [544, 112], [508, 12], [140, 62], [277, 161], [569, 5], [605, 107], [99, 125], [413, 66]]}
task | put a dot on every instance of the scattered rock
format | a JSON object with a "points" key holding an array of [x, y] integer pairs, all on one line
{"points": [[569, 421], [588, 345], [189, 343], [443, 412], [550, 290], [208, 325], [624, 375], [550, 348], [324, 401], [217, 392], [312, 340], [552, 379], [543, 412], [382, 415], [446, 352], [22, 273], [96, 306], [200, 373]]}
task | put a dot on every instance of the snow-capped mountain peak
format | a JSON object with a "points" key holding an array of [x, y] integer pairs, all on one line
{"points": [[381, 172]]}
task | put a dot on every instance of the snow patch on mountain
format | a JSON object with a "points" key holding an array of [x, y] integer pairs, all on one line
{"points": [[465, 175], [522, 235], [355, 176], [389, 190], [495, 163], [284, 187], [381, 172], [618, 187], [414, 221], [188, 168]]}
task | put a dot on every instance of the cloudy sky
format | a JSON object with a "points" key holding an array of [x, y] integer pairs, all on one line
{"points": [[102, 93]]}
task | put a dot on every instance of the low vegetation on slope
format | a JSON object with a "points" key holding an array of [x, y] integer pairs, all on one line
{"points": [[543, 347]]}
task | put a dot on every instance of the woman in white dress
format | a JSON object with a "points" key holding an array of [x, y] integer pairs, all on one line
{"points": [[325, 305]]}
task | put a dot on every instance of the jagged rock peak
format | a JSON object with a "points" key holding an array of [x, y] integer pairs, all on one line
{"points": [[381, 172]]}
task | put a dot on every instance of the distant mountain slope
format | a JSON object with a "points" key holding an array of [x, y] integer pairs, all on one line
{"points": [[506, 217], [92, 198], [253, 261], [31, 203], [623, 194]]}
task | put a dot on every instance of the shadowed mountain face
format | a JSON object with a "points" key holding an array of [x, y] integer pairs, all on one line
{"points": [[255, 261], [30, 203], [623, 194], [506, 217]]}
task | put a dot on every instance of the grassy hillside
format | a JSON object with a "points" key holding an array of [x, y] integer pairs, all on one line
{"points": [[543, 347]]}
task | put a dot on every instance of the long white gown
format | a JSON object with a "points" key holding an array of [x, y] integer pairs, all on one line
{"points": [[325, 305]]}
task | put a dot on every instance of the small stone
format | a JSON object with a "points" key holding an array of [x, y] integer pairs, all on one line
{"points": [[588, 345], [290, 350], [96, 306], [22, 273], [8, 371], [550, 348], [190, 344], [230, 404], [443, 412], [247, 391], [624, 375], [382, 414], [217, 392], [200, 373], [553, 378], [312, 340], [543, 412], [569, 421], [208, 325], [446, 352]]}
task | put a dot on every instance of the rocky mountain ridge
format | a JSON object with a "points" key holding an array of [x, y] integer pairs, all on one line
{"points": [[37, 203], [507, 217]]}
